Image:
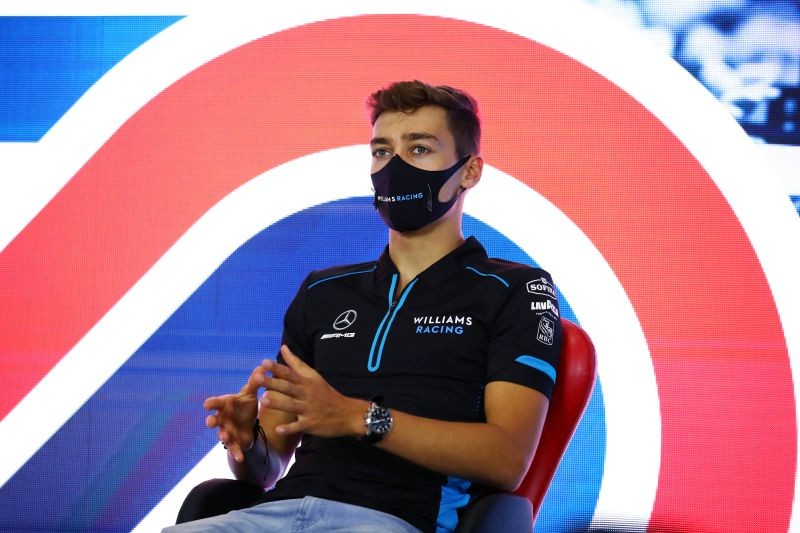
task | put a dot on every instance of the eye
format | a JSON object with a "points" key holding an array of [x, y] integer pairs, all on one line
{"points": [[381, 152], [420, 150]]}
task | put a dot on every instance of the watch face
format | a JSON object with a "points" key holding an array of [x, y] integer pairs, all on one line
{"points": [[381, 420]]}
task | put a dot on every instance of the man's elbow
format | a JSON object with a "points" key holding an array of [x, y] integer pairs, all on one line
{"points": [[512, 482], [509, 474]]}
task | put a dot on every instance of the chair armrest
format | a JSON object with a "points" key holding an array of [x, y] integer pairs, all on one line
{"points": [[498, 512], [217, 496]]}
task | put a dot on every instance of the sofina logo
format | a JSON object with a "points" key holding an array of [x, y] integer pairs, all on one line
{"points": [[541, 286]]}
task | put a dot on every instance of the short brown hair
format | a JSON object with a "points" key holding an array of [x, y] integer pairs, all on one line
{"points": [[460, 107]]}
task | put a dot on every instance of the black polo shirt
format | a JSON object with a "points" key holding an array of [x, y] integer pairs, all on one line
{"points": [[429, 351]]}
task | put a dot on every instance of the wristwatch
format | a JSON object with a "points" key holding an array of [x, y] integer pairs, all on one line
{"points": [[377, 421]]}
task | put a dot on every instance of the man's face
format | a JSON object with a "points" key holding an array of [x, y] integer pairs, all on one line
{"points": [[421, 138]]}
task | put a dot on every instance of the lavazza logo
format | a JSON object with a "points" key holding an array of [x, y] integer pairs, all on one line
{"points": [[546, 306], [342, 322], [542, 287]]}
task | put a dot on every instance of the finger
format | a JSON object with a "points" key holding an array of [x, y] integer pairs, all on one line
{"points": [[271, 396], [214, 403], [282, 371], [212, 421], [229, 441], [294, 362], [233, 438], [223, 437], [236, 451], [282, 403], [291, 428], [255, 381], [285, 387]]}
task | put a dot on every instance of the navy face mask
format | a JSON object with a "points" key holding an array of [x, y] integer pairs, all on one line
{"points": [[407, 197]]}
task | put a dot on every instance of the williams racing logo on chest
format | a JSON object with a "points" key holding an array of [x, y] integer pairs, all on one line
{"points": [[441, 324], [544, 300]]}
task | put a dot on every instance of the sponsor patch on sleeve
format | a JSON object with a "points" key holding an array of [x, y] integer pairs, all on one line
{"points": [[545, 331], [541, 287], [545, 306]]}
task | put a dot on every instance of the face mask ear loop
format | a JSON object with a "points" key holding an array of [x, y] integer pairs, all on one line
{"points": [[430, 199], [461, 189]]}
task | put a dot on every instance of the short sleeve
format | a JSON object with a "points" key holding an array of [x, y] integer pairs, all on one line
{"points": [[294, 327], [525, 341]]}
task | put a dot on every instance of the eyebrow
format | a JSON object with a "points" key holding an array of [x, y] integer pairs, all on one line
{"points": [[410, 136]]}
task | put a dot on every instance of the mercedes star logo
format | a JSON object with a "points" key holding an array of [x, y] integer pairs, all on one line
{"points": [[345, 320]]}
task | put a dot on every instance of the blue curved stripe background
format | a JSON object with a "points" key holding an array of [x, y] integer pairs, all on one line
{"points": [[47, 63], [144, 429]]}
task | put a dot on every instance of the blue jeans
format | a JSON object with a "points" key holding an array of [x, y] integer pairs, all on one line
{"points": [[306, 515]]}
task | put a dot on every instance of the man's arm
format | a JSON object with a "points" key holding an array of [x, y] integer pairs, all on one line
{"points": [[254, 460], [249, 456], [496, 453]]}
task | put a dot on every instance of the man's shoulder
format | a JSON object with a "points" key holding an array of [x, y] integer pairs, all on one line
{"points": [[340, 272], [511, 272]]}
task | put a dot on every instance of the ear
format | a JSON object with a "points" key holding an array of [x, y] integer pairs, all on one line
{"points": [[472, 172]]}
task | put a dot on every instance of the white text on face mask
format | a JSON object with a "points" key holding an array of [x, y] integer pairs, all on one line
{"points": [[401, 198]]}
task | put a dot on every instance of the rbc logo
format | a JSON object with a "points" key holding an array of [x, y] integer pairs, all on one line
{"points": [[545, 331]]}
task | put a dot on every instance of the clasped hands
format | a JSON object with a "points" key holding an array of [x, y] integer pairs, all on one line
{"points": [[311, 404]]}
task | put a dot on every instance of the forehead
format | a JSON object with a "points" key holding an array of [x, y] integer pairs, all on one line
{"points": [[395, 125]]}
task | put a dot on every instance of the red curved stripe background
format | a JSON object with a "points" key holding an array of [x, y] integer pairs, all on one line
{"points": [[719, 353]]}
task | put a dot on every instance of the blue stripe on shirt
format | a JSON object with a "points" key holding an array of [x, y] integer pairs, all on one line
{"points": [[454, 497], [538, 364]]}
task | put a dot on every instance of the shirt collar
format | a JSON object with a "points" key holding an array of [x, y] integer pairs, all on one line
{"points": [[458, 259]]}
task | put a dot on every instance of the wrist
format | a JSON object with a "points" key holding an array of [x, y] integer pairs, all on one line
{"points": [[357, 427], [257, 430], [378, 421]]}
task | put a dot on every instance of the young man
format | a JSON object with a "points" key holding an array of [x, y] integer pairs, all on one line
{"points": [[416, 382]]}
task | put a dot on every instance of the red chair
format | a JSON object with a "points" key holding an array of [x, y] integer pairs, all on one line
{"points": [[576, 375], [509, 513], [574, 385]]}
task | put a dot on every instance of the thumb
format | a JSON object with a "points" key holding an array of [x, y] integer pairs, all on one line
{"points": [[255, 381]]}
